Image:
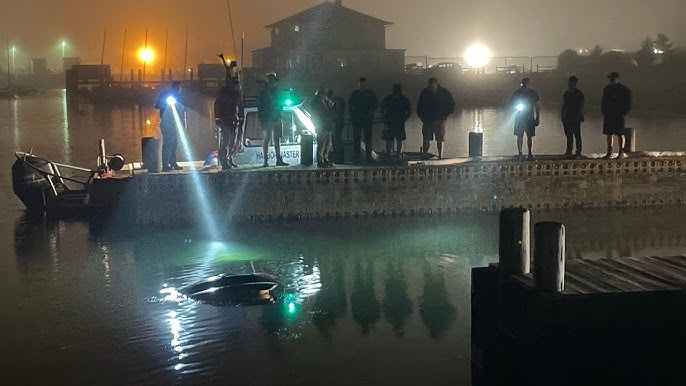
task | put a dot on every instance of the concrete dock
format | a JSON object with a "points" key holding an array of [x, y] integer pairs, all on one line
{"points": [[252, 194]]}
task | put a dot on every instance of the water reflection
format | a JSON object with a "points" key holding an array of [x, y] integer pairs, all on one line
{"points": [[332, 301], [397, 305], [66, 135], [435, 307], [36, 241], [365, 307]]}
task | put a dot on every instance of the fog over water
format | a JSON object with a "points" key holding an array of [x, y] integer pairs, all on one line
{"points": [[377, 301]]}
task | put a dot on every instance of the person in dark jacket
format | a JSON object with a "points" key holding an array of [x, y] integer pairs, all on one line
{"points": [[269, 113], [395, 110], [434, 107], [324, 119], [229, 113], [572, 115], [615, 105], [168, 124], [525, 102], [339, 110], [361, 107]]}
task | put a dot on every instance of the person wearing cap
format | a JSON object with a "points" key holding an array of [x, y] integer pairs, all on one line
{"points": [[525, 102], [361, 108], [573, 115], [615, 106], [395, 110], [434, 107], [338, 105], [269, 113], [168, 124], [229, 115]]}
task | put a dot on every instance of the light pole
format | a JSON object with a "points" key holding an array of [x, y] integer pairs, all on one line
{"points": [[14, 50], [64, 45]]}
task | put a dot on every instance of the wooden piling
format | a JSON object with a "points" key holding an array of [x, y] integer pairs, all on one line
{"points": [[549, 257], [514, 244]]}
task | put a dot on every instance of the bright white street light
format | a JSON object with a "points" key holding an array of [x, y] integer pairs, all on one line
{"points": [[64, 45], [478, 55]]}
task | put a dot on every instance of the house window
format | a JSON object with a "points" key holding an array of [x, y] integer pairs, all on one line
{"points": [[276, 31], [296, 28]]}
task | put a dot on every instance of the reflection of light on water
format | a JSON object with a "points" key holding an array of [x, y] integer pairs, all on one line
{"points": [[305, 284], [106, 262], [171, 294], [65, 129], [15, 122]]}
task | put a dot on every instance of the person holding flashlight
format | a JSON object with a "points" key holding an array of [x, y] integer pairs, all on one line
{"points": [[229, 113], [525, 102], [164, 103]]}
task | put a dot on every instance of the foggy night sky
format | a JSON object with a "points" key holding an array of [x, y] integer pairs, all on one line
{"points": [[432, 27]]}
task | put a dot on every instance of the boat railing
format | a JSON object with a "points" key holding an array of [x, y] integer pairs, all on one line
{"points": [[55, 172]]}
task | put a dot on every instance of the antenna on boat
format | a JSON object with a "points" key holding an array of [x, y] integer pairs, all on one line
{"points": [[235, 51], [252, 266]]}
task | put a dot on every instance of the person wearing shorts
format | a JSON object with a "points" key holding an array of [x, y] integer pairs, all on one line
{"points": [[525, 103], [615, 105], [269, 112], [229, 113], [395, 109], [434, 107]]}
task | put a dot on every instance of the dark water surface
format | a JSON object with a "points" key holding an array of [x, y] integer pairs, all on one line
{"points": [[380, 301]]}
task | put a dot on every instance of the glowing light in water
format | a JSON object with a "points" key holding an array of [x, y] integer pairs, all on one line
{"points": [[291, 307]]}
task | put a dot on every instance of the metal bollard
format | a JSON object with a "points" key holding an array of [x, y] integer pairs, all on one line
{"points": [[306, 148], [476, 144]]}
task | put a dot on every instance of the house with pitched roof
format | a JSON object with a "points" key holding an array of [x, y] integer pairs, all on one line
{"points": [[329, 37]]}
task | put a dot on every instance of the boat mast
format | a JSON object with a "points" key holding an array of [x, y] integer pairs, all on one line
{"points": [[123, 53], [9, 74], [102, 55]]}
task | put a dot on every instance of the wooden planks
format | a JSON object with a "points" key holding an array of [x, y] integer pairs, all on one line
{"points": [[635, 274]]}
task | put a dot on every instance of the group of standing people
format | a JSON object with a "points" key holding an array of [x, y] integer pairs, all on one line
{"points": [[616, 103], [435, 105]]}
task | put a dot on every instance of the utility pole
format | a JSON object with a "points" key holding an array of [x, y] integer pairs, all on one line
{"points": [[123, 53], [185, 57], [146, 50], [166, 41]]}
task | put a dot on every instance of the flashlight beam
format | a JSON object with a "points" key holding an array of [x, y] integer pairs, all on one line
{"points": [[203, 203]]}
